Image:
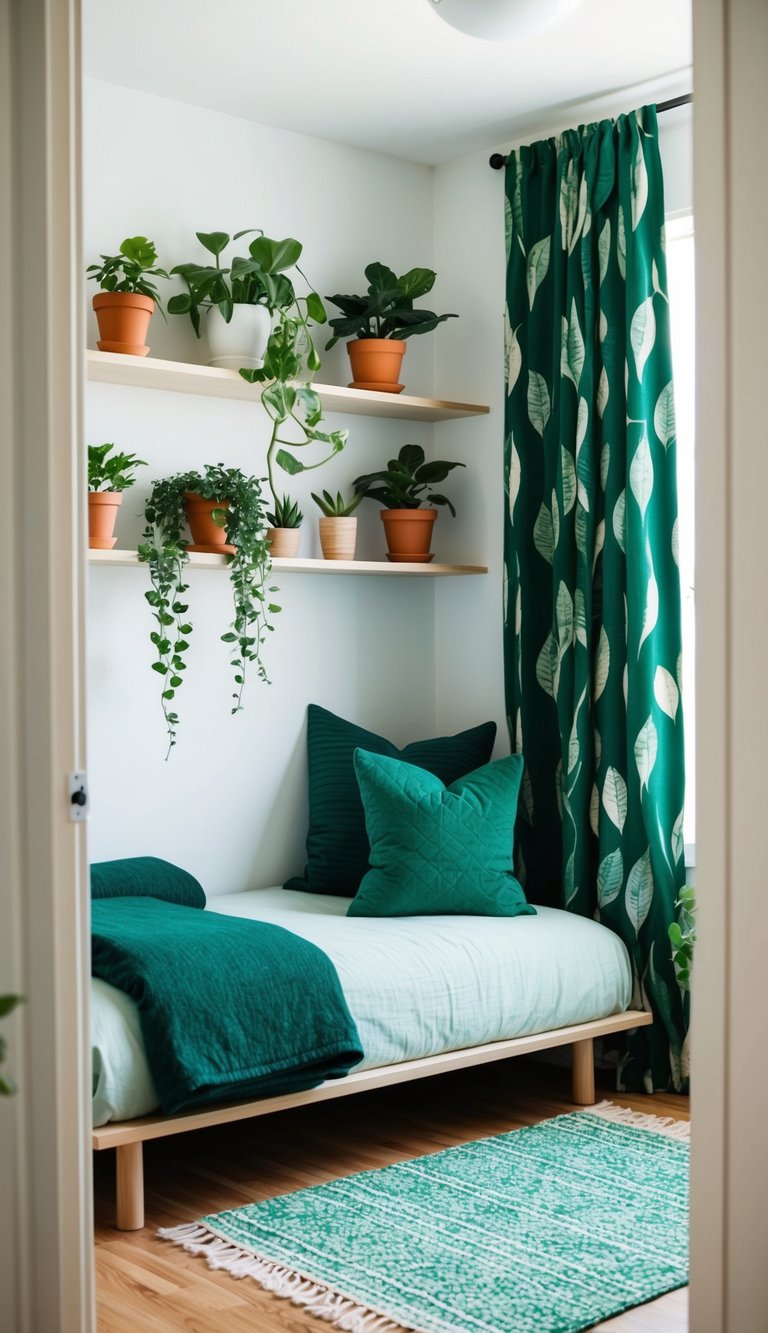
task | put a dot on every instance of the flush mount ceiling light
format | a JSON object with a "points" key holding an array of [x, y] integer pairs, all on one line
{"points": [[503, 20]]}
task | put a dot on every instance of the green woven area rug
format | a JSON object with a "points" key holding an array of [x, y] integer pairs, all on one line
{"points": [[547, 1229]]}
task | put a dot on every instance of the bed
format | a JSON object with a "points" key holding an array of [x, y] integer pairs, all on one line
{"points": [[428, 994]]}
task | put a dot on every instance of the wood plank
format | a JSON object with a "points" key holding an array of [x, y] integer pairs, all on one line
{"points": [[299, 566], [140, 372], [153, 1127], [229, 1165]]}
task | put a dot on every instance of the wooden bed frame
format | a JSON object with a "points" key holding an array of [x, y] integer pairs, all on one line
{"points": [[127, 1136]]}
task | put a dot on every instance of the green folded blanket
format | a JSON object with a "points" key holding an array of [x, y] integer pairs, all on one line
{"points": [[229, 1008]]}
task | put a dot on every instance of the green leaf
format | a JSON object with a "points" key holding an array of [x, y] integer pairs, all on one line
{"points": [[288, 463], [639, 894], [615, 798], [610, 877], [539, 407], [537, 267], [213, 241], [664, 416]]}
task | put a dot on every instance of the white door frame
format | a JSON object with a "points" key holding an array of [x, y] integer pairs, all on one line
{"points": [[46, 1257]]}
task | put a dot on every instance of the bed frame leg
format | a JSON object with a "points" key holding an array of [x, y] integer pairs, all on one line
{"points": [[130, 1187], [583, 1072]]}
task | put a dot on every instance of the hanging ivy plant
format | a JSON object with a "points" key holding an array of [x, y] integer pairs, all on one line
{"points": [[164, 550]]}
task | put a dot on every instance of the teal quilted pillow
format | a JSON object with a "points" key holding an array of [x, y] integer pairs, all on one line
{"points": [[438, 849]]}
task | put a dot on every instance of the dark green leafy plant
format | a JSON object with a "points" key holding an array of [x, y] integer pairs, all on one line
{"points": [[7, 1005], [286, 513], [336, 506], [386, 310], [682, 935], [130, 270], [164, 550], [109, 471], [406, 481], [257, 278]]}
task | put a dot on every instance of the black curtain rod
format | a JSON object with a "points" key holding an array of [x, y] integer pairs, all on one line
{"points": [[498, 160]]}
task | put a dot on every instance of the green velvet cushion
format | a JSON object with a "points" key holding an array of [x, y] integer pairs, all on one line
{"points": [[437, 848], [145, 877], [337, 844]]}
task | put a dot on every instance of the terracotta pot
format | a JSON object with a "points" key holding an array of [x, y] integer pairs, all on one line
{"points": [[123, 319], [207, 536], [338, 537], [409, 534], [376, 364], [242, 341], [102, 517], [284, 543]]}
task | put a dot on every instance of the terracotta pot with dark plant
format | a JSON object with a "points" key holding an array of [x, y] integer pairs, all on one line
{"points": [[127, 300], [338, 527], [233, 506], [404, 487], [109, 474], [379, 322]]}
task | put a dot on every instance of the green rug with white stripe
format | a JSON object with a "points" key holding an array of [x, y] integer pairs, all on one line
{"points": [[547, 1229]]}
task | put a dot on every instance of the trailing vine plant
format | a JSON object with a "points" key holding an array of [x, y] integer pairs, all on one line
{"points": [[164, 550]]}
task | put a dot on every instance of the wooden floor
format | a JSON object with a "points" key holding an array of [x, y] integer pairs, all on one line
{"points": [[145, 1285]]}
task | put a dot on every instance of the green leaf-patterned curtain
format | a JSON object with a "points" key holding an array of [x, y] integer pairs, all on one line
{"points": [[592, 591]]}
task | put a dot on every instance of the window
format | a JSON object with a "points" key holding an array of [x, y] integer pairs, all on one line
{"points": [[680, 273]]}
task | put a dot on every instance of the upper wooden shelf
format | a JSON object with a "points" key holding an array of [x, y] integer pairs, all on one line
{"points": [[141, 372], [298, 566]]}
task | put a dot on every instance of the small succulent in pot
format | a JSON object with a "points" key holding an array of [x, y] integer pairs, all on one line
{"points": [[284, 536], [127, 299], [109, 474], [286, 513], [337, 527], [336, 506], [404, 488]]}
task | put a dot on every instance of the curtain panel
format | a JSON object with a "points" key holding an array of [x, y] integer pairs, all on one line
{"points": [[592, 588]]}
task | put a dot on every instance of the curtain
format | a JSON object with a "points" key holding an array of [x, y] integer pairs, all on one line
{"points": [[592, 588]]}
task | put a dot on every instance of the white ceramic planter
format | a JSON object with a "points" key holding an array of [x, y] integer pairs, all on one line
{"points": [[242, 341]]}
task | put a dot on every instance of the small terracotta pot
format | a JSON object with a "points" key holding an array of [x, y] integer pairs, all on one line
{"points": [[338, 537], [409, 535], [123, 319], [102, 517], [207, 536], [284, 543], [376, 364]]}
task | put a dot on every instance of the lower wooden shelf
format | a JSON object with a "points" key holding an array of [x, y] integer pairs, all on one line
{"points": [[383, 567]]}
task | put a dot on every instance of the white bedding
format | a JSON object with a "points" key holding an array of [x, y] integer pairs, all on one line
{"points": [[415, 986]]}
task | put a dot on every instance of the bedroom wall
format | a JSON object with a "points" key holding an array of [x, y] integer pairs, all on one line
{"points": [[470, 261], [230, 802]]}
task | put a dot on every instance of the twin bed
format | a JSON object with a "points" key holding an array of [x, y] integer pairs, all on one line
{"points": [[427, 994]]}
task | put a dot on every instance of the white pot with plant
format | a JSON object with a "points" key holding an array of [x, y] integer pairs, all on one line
{"points": [[338, 527], [109, 474]]}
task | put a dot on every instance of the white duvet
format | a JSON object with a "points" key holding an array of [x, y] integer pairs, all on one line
{"points": [[415, 986]]}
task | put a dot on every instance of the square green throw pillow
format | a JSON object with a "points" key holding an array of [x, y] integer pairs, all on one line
{"points": [[437, 848], [337, 843]]}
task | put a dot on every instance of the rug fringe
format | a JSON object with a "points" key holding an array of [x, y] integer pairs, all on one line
{"points": [[658, 1124], [319, 1300]]}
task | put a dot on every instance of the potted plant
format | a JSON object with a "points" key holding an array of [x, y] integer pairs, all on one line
{"points": [[338, 529], [284, 536], [109, 474], [401, 488], [231, 506], [127, 299], [379, 322], [294, 409], [239, 298]]}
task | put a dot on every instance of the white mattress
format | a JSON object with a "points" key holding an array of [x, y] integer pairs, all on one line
{"points": [[415, 986]]}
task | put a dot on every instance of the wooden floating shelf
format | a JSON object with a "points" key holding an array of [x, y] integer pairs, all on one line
{"points": [[140, 372], [298, 566]]}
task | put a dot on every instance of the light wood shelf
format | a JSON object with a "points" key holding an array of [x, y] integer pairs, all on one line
{"points": [[180, 377], [117, 557]]}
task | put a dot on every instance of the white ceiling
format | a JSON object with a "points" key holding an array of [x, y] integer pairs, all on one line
{"points": [[387, 75]]}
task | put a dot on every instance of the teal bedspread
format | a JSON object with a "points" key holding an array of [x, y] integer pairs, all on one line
{"points": [[229, 1008]]}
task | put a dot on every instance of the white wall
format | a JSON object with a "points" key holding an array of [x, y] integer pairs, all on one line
{"points": [[230, 802], [470, 261]]}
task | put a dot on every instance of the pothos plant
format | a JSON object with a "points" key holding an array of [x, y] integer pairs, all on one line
{"points": [[164, 550], [682, 936], [293, 407]]}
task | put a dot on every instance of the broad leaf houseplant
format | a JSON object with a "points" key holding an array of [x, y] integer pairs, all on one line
{"points": [[404, 488], [379, 322], [127, 300], [109, 474], [230, 508]]}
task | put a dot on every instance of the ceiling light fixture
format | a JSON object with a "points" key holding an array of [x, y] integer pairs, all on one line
{"points": [[503, 20]]}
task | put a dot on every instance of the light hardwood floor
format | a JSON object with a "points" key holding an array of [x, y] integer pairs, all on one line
{"points": [[145, 1285]]}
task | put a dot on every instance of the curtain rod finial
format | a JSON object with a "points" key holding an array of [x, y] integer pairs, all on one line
{"points": [[497, 161]]}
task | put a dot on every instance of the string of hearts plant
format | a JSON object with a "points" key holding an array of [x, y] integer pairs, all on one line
{"points": [[240, 509]]}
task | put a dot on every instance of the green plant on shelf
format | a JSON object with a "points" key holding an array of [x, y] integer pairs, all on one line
{"points": [[164, 550], [108, 471], [407, 481], [335, 506], [130, 270], [286, 513], [258, 278], [386, 309]]}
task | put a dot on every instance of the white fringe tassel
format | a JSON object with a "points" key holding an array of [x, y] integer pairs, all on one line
{"points": [[317, 1299], [657, 1124]]}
